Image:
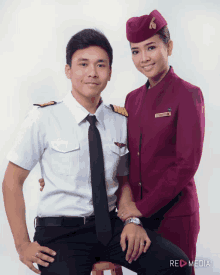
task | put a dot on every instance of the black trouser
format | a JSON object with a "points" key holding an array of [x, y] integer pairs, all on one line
{"points": [[78, 249]]}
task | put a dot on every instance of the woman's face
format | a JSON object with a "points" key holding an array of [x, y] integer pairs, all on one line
{"points": [[151, 57]]}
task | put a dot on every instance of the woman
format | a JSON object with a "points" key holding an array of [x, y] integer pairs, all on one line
{"points": [[165, 138]]}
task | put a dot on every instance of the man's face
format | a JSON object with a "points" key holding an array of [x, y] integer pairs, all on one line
{"points": [[150, 57], [89, 72]]}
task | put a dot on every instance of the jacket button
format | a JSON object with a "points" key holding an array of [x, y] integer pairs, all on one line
{"points": [[138, 153], [139, 183]]}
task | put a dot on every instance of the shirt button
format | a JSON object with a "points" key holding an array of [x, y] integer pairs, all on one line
{"points": [[139, 183]]}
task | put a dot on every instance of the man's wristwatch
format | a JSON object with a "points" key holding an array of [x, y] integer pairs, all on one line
{"points": [[134, 220]]}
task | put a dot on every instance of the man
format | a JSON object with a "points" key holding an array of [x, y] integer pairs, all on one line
{"points": [[81, 145]]}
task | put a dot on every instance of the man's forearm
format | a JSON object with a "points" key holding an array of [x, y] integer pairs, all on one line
{"points": [[15, 205]]}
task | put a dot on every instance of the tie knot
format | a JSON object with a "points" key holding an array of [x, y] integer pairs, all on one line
{"points": [[92, 120]]}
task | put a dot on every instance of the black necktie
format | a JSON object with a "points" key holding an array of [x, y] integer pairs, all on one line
{"points": [[100, 201]]}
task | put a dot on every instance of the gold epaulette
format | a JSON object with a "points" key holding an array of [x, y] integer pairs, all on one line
{"points": [[46, 104], [119, 110]]}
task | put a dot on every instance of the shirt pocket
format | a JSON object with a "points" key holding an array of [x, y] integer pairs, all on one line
{"points": [[112, 154], [121, 151], [64, 157]]}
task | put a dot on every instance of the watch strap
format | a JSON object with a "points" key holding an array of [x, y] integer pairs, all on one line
{"points": [[134, 220]]}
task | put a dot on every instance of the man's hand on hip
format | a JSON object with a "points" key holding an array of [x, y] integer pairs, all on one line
{"points": [[32, 252]]}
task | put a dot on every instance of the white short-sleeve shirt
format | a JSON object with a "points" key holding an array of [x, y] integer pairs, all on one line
{"points": [[57, 137]]}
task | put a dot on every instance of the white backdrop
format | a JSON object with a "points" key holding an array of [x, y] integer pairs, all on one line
{"points": [[33, 37]]}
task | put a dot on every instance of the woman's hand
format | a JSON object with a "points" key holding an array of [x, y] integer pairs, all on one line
{"points": [[42, 183], [128, 210]]}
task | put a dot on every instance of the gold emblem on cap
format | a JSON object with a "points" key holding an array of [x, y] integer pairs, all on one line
{"points": [[152, 24]]}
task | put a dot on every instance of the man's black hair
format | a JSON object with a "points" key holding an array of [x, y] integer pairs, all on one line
{"points": [[85, 39]]}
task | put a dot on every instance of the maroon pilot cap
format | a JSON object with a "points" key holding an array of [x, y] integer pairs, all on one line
{"points": [[141, 28]]}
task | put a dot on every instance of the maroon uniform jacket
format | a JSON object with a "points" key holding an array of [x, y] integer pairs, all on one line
{"points": [[165, 138]]}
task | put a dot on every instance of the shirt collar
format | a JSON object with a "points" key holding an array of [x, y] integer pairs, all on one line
{"points": [[80, 113]]}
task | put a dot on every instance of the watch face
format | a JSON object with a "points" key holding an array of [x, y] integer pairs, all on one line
{"points": [[135, 220]]}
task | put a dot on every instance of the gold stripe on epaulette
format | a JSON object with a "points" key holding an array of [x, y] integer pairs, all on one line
{"points": [[46, 104], [119, 110]]}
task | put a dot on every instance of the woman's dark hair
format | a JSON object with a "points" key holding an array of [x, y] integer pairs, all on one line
{"points": [[164, 34], [85, 39]]}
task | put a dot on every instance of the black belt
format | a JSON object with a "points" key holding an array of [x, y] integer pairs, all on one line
{"points": [[67, 221]]}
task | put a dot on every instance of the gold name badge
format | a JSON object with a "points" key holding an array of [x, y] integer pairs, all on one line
{"points": [[163, 114]]}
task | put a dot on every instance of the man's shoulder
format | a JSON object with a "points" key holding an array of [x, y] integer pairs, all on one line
{"points": [[119, 110], [41, 111], [115, 118], [47, 104], [116, 110], [46, 108]]}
